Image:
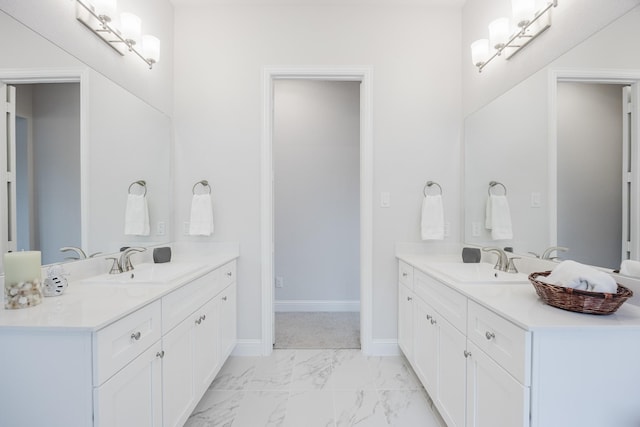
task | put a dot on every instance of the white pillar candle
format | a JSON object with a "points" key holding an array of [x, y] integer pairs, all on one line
{"points": [[22, 279]]}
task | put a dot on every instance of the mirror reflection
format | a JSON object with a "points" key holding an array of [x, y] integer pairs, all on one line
{"points": [[563, 143], [81, 140]]}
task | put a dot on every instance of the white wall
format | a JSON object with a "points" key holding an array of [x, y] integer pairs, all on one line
{"points": [[220, 55], [56, 21], [590, 172], [316, 157], [573, 21]]}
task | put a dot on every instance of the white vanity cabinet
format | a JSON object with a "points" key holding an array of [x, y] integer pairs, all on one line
{"points": [[450, 339], [405, 311], [148, 367]]}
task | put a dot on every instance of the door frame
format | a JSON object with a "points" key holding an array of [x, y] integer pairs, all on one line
{"points": [[606, 76], [364, 75], [65, 75]]}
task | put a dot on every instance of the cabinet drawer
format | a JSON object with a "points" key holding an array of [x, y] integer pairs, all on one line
{"points": [[122, 341], [405, 274], [451, 304], [228, 273], [183, 301], [506, 343]]}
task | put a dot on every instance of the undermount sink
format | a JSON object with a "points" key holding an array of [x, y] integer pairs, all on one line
{"points": [[148, 273], [477, 273]]}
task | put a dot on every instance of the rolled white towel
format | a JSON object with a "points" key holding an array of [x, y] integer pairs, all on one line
{"points": [[571, 274]]}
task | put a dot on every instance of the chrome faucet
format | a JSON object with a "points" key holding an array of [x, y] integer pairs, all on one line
{"points": [[80, 254], [547, 252], [503, 261], [125, 258]]}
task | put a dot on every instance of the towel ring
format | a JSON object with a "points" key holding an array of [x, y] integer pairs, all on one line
{"points": [[493, 184], [141, 183], [204, 183], [430, 184]]}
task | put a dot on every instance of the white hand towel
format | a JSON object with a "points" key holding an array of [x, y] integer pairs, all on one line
{"points": [[630, 268], [432, 223], [136, 217], [571, 274], [201, 221], [498, 218]]}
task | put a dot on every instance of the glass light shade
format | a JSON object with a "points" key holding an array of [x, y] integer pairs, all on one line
{"points": [[151, 48], [130, 27], [523, 11], [106, 8], [499, 32], [479, 52]]}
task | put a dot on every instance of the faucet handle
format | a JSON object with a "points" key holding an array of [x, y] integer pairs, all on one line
{"points": [[511, 266], [115, 267]]}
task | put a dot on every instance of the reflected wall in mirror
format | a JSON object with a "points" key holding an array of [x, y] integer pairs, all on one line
{"points": [[47, 149], [522, 139]]}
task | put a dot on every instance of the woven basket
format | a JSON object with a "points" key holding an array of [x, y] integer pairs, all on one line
{"points": [[578, 300]]}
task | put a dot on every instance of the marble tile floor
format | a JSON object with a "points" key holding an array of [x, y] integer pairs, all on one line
{"points": [[308, 388]]}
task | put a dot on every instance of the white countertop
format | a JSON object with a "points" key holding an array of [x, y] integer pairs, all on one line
{"points": [[91, 306], [519, 303]]}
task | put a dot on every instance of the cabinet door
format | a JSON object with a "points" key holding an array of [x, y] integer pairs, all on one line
{"points": [[133, 396], [405, 321], [494, 397], [206, 354], [425, 345], [177, 373], [451, 395], [228, 328]]}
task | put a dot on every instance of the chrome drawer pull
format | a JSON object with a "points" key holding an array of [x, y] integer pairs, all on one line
{"points": [[429, 317], [203, 317], [224, 298], [229, 274], [199, 320], [409, 299], [160, 354], [467, 354], [434, 321], [404, 274], [490, 335], [136, 335]]}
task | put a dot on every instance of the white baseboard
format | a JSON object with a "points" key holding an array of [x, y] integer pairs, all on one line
{"points": [[383, 348], [248, 348], [377, 348], [316, 305]]}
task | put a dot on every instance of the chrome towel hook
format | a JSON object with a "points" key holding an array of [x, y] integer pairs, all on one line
{"points": [[141, 183], [429, 185], [493, 184], [204, 183]]}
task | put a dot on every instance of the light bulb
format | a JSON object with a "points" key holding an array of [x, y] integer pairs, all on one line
{"points": [[151, 48], [523, 11], [479, 52], [130, 27], [499, 32]]}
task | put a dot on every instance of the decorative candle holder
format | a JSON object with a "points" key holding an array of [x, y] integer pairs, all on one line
{"points": [[22, 279]]}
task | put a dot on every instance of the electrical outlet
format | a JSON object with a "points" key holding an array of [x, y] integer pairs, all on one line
{"points": [[161, 229], [385, 199], [476, 228], [279, 282]]}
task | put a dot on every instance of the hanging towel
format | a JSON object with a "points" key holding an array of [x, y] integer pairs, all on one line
{"points": [[432, 223], [498, 218], [572, 274], [136, 218], [201, 221]]}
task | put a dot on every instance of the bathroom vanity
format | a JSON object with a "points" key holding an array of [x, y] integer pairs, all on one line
{"points": [[491, 353], [111, 353]]}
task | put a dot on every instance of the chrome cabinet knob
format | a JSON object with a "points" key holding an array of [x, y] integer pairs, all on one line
{"points": [[160, 354], [489, 335], [136, 335], [429, 317], [467, 354], [224, 298], [434, 321], [409, 299], [199, 320], [229, 274], [404, 274]]}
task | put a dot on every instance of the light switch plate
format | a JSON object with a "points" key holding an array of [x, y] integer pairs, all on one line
{"points": [[385, 199]]}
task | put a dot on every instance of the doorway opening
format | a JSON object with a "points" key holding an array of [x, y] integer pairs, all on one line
{"points": [[316, 163], [362, 76]]}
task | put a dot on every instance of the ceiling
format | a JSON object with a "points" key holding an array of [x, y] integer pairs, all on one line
{"points": [[453, 3]]}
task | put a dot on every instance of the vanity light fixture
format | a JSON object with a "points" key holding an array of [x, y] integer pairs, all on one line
{"points": [[528, 24], [126, 35]]}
